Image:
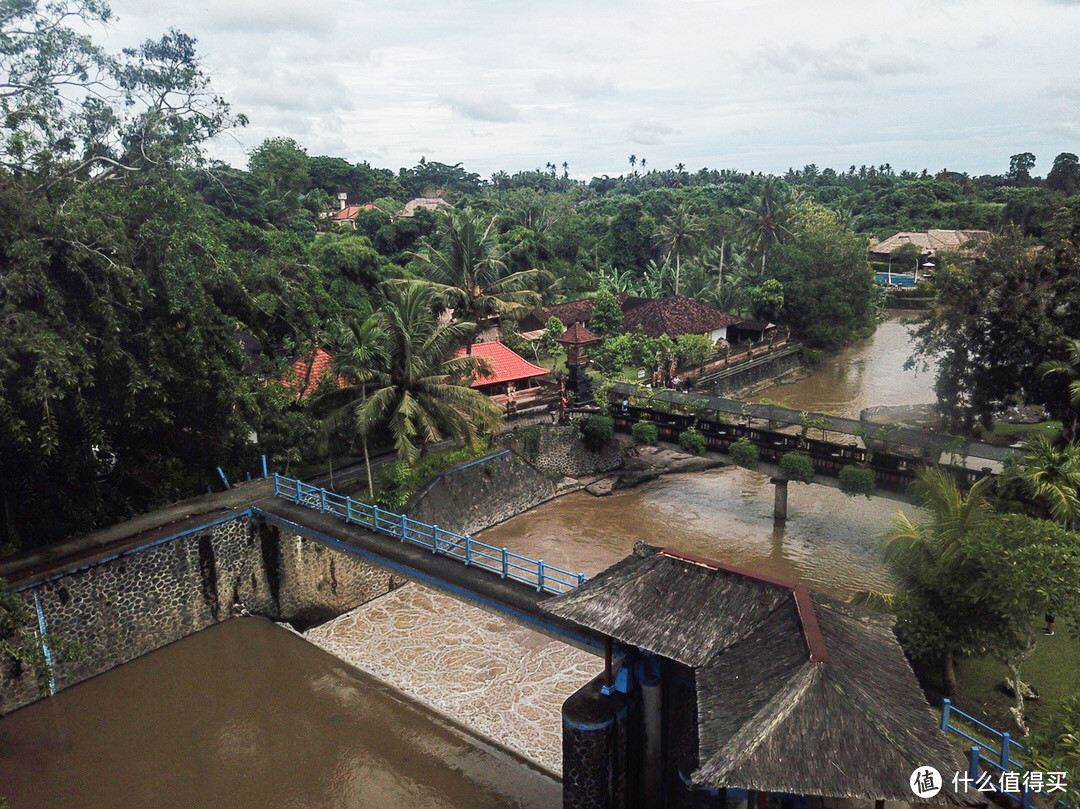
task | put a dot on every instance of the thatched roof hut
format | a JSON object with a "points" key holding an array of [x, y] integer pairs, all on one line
{"points": [[796, 692]]}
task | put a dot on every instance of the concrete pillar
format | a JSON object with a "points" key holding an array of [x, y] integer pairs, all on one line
{"points": [[650, 677], [780, 500]]}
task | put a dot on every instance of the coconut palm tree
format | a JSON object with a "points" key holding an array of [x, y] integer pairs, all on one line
{"points": [[1070, 369], [766, 222], [469, 274], [422, 394], [1051, 474], [359, 352], [680, 229], [918, 552]]}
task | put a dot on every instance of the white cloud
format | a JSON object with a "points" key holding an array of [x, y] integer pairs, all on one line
{"points": [[753, 84]]}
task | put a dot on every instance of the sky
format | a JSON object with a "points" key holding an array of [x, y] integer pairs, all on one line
{"points": [[749, 84]]}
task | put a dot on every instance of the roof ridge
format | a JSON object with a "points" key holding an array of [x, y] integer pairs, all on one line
{"points": [[804, 605], [776, 709]]}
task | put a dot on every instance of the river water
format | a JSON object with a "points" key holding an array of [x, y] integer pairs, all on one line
{"points": [[865, 374], [247, 714]]}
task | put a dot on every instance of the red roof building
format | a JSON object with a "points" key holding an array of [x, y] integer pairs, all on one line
{"points": [[305, 373], [506, 368], [349, 213]]}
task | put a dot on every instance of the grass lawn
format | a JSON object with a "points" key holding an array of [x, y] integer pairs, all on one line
{"points": [[1053, 671], [1014, 432]]}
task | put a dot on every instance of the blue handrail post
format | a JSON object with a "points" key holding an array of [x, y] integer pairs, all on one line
{"points": [[322, 500], [265, 471], [404, 526], [434, 539], [296, 492], [348, 509], [277, 485], [580, 579], [224, 479], [973, 763], [945, 711], [540, 576], [1025, 797], [1004, 759], [468, 551], [375, 518], [505, 562]]}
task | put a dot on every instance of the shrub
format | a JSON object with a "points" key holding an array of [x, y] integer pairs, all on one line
{"points": [[644, 432], [857, 480], [395, 486], [693, 442], [743, 453], [596, 430], [797, 466]]}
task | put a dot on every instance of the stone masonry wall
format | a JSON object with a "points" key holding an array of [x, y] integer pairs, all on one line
{"points": [[559, 448], [129, 606], [486, 494]]}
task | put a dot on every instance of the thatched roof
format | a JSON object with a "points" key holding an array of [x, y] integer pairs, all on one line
{"points": [[676, 316], [930, 242], [796, 692]]}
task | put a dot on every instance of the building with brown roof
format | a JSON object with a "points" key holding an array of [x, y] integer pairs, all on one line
{"points": [[674, 316], [964, 243]]}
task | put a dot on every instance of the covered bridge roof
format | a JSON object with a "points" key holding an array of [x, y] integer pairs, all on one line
{"points": [[796, 692], [905, 436]]}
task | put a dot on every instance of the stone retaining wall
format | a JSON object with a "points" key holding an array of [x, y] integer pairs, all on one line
{"points": [[129, 606], [752, 376], [486, 494], [559, 448]]}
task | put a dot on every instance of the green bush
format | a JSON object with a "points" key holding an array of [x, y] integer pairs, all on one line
{"points": [[857, 480], [743, 453], [644, 432], [395, 486], [797, 466], [596, 430], [693, 442]]}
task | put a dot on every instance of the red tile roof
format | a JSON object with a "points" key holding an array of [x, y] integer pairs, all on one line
{"points": [[307, 371], [506, 366], [353, 211]]}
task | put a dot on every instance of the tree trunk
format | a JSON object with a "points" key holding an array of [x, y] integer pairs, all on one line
{"points": [[677, 269], [8, 499], [720, 278], [948, 675], [367, 463]]}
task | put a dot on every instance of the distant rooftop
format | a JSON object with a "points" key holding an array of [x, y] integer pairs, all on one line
{"points": [[931, 242]]}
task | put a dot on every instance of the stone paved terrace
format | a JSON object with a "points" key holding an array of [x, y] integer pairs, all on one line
{"points": [[498, 678]]}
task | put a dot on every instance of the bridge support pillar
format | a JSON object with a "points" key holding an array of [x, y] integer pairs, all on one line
{"points": [[780, 499]]}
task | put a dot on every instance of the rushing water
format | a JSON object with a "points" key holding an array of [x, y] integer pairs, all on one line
{"points": [[866, 374], [246, 714]]}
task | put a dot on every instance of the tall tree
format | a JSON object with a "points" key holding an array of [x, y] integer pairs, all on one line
{"points": [[423, 395], [680, 229], [1064, 175], [1051, 475], [469, 272], [607, 316], [766, 222]]}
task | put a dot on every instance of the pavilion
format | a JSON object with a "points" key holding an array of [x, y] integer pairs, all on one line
{"points": [[750, 686], [511, 375]]}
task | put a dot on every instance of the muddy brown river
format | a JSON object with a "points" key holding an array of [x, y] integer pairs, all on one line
{"points": [[246, 714]]}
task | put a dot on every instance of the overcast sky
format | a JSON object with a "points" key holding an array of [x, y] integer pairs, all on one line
{"points": [[748, 84]]}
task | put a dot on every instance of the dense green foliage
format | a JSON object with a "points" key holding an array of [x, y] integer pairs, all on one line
{"points": [[644, 433], [857, 479], [597, 430], [607, 317], [152, 299], [398, 481], [744, 453], [692, 441], [797, 466]]}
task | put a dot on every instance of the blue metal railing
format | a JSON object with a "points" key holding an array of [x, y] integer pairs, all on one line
{"points": [[473, 553], [1001, 748]]}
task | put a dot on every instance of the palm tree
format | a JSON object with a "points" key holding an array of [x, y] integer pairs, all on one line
{"points": [[1051, 475], [1070, 369], [766, 222], [917, 552], [633, 160], [469, 274], [679, 230], [422, 393], [359, 360]]}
